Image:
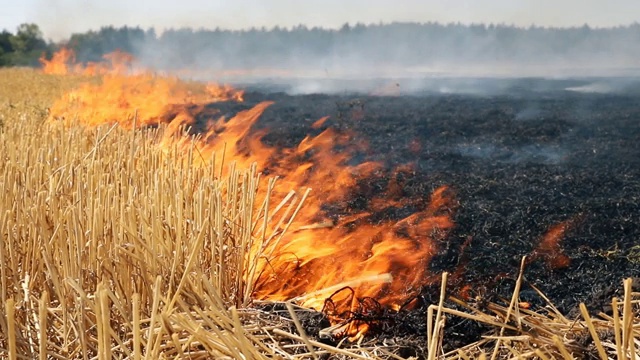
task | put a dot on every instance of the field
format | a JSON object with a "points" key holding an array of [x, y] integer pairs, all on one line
{"points": [[135, 229]]}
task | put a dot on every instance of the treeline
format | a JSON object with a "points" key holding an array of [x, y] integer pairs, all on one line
{"points": [[405, 44], [24, 47], [396, 44]]}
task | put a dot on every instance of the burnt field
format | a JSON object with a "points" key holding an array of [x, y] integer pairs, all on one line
{"points": [[518, 163]]}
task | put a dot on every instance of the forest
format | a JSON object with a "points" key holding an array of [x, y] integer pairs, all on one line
{"points": [[351, 46]]}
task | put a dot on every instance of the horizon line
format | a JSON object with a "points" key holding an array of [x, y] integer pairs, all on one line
{"points": [[161, 29]]}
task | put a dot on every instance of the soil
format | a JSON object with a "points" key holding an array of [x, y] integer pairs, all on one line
{"points": [[519, 163]]}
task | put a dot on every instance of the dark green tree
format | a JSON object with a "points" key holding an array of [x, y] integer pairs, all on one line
{"points": [[6, 49], [27, 45]]}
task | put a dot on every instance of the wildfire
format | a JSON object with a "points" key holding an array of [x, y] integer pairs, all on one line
{"points": [[63, 62], [322, 248], [128, 97]]}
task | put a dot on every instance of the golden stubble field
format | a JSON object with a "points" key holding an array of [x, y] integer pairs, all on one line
{"points": [[113, 247]]}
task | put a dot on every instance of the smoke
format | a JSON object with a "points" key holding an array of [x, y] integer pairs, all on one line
{"points": [[533, 112], [239, 42], [532, 153], [611, 85], [414, 57]]}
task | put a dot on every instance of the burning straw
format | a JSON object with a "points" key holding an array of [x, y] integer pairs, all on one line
{"points": [[112, 247]]}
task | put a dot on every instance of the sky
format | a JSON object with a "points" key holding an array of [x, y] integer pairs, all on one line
{"points": [[60, 18]]}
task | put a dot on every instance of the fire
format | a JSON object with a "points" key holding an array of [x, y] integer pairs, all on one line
{"points": [[330, 242], [120, 98], [128, 97], [63, 62], [319, 258], [59, 63], [549, 247]]}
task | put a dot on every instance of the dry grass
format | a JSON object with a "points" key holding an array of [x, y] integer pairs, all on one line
{"points": [[113, 248], [524, 334]]}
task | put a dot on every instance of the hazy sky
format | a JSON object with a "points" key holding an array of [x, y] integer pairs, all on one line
{"points": [[59, 18]]}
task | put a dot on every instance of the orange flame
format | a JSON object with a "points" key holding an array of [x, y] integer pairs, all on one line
{"points": [[126, 97], [63, 62], [59, 63], [549, 247], [320, 250]]}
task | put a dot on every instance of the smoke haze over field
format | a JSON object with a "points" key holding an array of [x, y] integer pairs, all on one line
{"points": [[319, 60], [389, 58], [237, 41]]}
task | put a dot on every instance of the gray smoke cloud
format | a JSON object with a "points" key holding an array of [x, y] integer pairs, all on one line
{"points": [[400, 58], [393, 59]]}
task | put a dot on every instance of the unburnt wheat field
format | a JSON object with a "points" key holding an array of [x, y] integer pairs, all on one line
{"points": [[143, 216]]}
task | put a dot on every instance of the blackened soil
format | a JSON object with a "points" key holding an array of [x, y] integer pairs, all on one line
{"points": [[518, 165]]}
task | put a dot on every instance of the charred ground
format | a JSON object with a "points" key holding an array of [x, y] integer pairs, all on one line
{"points": [[519, 163]]}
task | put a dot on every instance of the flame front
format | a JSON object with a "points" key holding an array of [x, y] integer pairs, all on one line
{"points": [[322, 249]]}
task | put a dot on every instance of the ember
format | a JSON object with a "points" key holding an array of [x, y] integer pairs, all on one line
{"points": [[549, 248]]}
